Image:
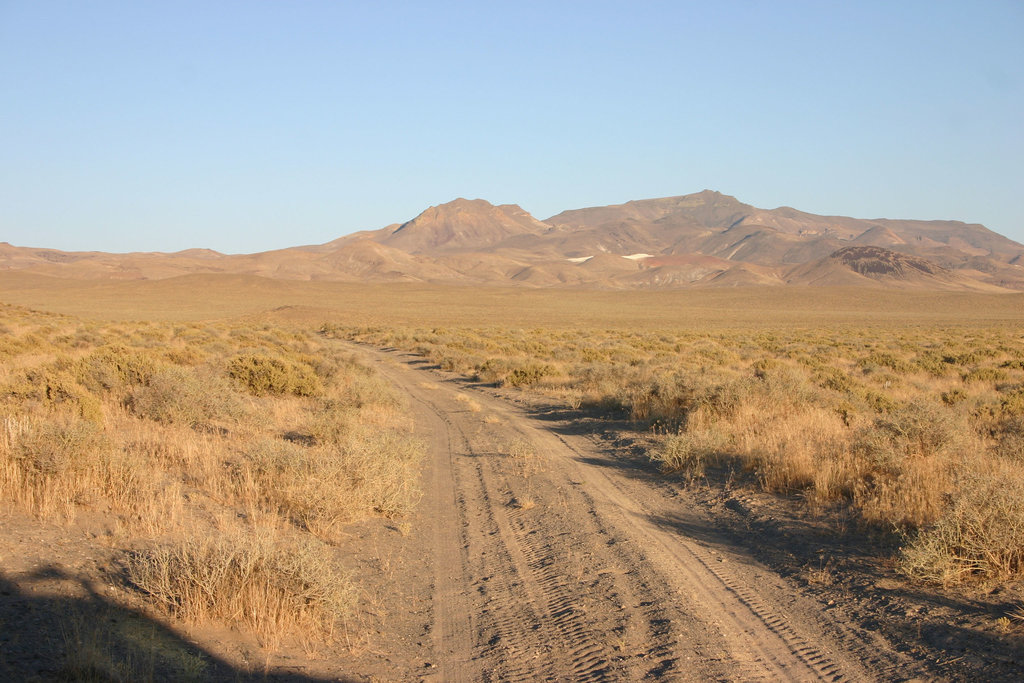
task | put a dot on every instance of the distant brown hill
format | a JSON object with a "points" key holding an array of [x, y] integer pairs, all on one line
{"points": [[706, 239]]}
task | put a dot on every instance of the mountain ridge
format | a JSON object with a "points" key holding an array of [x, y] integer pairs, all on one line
{"points": [[705, 239]]}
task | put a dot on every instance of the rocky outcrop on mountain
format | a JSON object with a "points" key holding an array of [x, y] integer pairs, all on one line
{"points": [[857, 264]]}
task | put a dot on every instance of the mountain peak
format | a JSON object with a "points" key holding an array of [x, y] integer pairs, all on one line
{"points": [[463, 224], [463, 204]]}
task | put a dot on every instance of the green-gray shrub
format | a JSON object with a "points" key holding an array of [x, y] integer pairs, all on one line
{"points": [[116, 367], [263, 375]]}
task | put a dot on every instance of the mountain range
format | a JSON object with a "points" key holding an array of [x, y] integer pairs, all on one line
{"points": [[706, 239]]}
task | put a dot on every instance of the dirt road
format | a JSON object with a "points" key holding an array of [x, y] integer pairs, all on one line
{"points": [[554, 558]]}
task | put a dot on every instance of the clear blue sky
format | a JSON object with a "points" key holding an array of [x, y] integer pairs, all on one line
{"points": [[245, 126]]}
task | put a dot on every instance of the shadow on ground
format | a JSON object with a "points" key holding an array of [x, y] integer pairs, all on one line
{"points": [[79, 635]]}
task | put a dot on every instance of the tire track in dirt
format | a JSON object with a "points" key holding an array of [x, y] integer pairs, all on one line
{"points": [[515, 613], [753, 655], [507, 601], [606, 579], [528, 621], [453, 630], [558, 626], [764, 639], [845, 655], [748, 633], [533, 627]]}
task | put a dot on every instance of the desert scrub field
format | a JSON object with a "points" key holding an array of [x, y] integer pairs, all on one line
{"points": [[916, 429], [228, 456]]}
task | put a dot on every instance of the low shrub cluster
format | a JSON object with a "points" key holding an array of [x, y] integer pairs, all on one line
{"points": [[981, 533], [263, 375], [185, 396], [268, 586]]}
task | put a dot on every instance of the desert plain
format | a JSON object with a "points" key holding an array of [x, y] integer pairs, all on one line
{"points": [[493, 463]]}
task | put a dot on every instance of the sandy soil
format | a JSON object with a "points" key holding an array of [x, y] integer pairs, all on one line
{"points": [[545, 548]]}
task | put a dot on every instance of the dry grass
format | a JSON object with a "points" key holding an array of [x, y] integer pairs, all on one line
{"points": [[271, 587], [980, 534], [168, 428], [472, 405], [689, 453], [525, 462], [320, 488]]}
